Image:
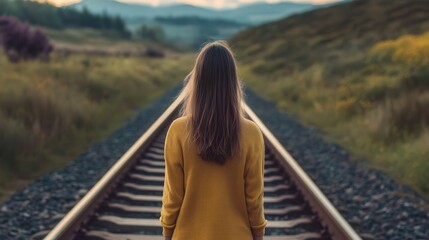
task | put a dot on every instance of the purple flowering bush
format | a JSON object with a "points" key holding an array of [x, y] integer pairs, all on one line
{"points": [[20, 42]]}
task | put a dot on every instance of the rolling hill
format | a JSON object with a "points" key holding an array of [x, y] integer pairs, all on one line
{"points": [[264, 12], [358, 71], [319, 35], [189, 26], [249, 14]]}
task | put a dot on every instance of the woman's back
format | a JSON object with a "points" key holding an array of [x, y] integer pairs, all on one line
{"points": [[214, 171], [206, 200]]}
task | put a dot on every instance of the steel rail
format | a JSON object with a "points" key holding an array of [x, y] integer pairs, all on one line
{"points": [[331, 219], [337, 226], [69, 226]]}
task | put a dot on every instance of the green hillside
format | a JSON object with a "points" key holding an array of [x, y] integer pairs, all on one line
{"points": [[324, 35], [359, 72]]}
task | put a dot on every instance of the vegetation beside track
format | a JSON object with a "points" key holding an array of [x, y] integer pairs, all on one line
{"points": [[52, 111], [359, 71]]}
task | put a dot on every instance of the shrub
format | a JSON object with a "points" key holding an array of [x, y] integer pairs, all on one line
{"points": [[417, 79], [394, 119], [410, 49], [20, 42], [151, 52]]}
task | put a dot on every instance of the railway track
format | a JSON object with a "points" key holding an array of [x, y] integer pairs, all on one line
{"points": [[126, 202]]}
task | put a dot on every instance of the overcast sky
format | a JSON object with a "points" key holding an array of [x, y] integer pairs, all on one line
{"points": [[204, 3]]}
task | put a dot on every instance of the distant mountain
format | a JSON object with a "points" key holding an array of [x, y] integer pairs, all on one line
{"points": [[181, 10], [112, 7], [264, 12], [190, 25], [249, 14]]}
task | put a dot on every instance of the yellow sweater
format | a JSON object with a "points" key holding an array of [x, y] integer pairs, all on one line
{"points": [[203, 200]]}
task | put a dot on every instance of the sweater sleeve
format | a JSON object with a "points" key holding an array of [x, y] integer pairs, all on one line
{"points": [[254, 184], [173, 182]]}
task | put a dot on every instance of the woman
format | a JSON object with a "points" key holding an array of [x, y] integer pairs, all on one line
{"points": [[214, 158]]}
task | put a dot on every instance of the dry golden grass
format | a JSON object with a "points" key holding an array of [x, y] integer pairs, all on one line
{"points": [[52, 111]]}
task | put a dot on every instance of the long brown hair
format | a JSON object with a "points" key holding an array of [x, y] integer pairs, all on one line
{"points": [[212, 103]]}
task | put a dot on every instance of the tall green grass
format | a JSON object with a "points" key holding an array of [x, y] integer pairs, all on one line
{"points": [[51, 111], [375, 103]]}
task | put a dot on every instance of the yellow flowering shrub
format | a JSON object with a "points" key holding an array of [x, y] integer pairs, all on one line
{"points": [[411, 49]]}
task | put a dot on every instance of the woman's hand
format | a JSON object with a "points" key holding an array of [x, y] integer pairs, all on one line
{"points": [[167, 238], [258, 238]]}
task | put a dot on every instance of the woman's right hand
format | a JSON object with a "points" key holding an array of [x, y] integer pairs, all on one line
{"points": [[258, 238]]}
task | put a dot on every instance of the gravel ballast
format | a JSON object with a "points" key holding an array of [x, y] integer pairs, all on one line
{"points": [[376, 206]]}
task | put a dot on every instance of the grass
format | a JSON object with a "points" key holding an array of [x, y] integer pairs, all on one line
{"points": [[374, 102], [96, 42], [358, 71], [327, 34], [52, 111]]}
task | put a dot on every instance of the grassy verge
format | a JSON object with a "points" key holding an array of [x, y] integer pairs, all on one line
{"points": [[95, 42], [52, 111], [375, 103]]}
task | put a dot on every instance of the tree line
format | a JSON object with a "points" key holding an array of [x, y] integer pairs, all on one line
{"points": [[46, 15]]}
